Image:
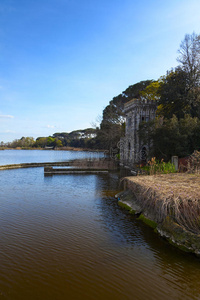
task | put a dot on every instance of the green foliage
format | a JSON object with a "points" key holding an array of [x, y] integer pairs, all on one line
{"points": [[173, 95], [134, 91], [170, 137], [50, 142], [112, 126], [158, 167], [83, 138], [24, 142], [58, 143], [152, 91], [180, 88], [41, 142]]}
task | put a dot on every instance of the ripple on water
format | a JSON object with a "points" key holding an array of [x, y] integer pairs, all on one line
{"points": [[66, 238]]}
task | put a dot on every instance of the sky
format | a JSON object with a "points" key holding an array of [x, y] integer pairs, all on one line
{"points": [[62, 61]]}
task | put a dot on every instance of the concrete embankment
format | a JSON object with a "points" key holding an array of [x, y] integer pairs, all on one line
{"points": [[32, 165], [170, 204], [49, 171], [84, 164]]}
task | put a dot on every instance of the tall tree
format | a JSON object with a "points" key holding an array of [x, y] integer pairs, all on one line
{"points": [[112, 125], [152, 91], [173, 94], [170, 137], [189, 57]]}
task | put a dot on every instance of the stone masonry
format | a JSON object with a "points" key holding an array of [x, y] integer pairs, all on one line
{"points": [[132, 149]]}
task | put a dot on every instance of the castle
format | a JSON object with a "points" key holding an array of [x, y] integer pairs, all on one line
{"points": [[132, 149]]}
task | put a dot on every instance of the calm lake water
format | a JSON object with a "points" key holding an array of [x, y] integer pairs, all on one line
{"points": [[65, 237], [37, 156]]}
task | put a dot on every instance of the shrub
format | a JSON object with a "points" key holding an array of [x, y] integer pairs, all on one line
{"points": [[158, 167]]}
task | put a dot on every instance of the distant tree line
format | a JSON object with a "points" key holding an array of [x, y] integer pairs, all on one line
{"points": [[76, 139]]}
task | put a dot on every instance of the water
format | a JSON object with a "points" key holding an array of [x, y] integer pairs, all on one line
{"points": [[37, 156], [65, 237]]}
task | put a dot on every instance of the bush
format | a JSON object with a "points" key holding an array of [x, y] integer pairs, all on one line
{"points": [[158, 167]]}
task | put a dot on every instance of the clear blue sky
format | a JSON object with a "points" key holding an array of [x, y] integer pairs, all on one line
{"points": [[62, 61]]}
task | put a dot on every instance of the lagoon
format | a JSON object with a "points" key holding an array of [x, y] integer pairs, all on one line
{"points": [[65, 237], [37, 156]]}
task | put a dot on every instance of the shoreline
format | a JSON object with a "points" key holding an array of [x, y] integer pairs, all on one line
{"points": [[78, 164], [167, 203], [56, 149]]}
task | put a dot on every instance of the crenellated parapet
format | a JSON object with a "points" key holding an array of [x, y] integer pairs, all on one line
{"points": [[140, 104]]}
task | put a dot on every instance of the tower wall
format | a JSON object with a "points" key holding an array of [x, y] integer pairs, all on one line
{"points": [[131, 147]]}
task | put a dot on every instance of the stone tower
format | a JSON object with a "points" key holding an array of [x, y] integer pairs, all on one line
{"points": [[132, 149]]}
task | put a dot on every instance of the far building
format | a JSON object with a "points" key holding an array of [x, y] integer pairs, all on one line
{"points": [[132, 149]]}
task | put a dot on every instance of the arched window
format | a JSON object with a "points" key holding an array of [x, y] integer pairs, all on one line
{"points": [[144, 154]]}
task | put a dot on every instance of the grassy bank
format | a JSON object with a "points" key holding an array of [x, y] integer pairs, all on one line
{"points": [[168, 203], [171, 195]]}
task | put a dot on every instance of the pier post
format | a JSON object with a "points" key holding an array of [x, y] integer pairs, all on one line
{"points": [[174, 161]]}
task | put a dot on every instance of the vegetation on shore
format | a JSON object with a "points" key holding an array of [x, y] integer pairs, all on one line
{"points": [[171, 195], [169, 203], [158, 167], [75, 140]]}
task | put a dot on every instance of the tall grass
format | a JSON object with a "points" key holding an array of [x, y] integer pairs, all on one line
{"points": [[173, 195]]}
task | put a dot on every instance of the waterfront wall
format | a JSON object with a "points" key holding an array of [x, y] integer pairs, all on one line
{"points": [[78, 163]]}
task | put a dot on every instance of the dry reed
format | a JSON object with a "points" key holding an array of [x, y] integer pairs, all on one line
{"points": [[193, 165], [174, 195]]}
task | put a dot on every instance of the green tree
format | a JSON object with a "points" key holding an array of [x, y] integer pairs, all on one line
{"points": [[152, 91], [27, 142], [173, 94], [41, 142], [58, 143], [50, 142], [112, 126], [169, 137], [134, 91]]}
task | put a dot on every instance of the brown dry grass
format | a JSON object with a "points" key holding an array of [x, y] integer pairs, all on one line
{"points": [[174, 195]]}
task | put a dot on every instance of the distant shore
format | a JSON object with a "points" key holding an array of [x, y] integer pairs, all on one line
{"points": [[55, 149]]}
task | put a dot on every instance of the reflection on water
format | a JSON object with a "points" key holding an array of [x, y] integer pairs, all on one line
{"points": [[65, 237]]}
